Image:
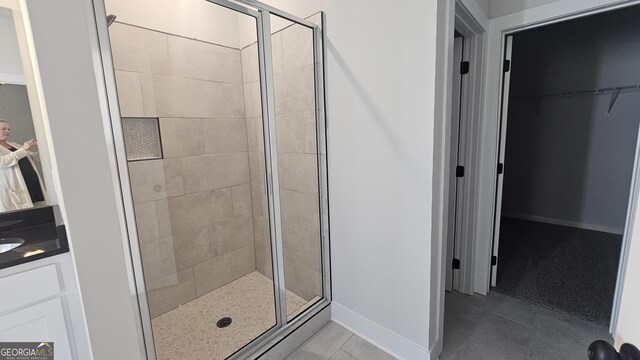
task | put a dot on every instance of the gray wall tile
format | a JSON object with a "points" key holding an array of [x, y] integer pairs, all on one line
{"points": [[181, 137], [159, 262], [255, 134], [167, 298], [302, 245], [215, 171], [194, 59], [181, 97], [224, 135], [221, 270], [301, 279], [189, 212], [257, 165], [253, 99], [242, 200], [174, 180], [147, 221], [250, 71], [129, 94], [298, 172], [263, 260], [300, 210], [147, 180], [229, 235], [193, 247], [297, 132], [295, 91], [297, 46], [137, 49]]}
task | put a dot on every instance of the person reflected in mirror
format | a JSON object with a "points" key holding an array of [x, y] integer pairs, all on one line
{"points": [[20, 184]]}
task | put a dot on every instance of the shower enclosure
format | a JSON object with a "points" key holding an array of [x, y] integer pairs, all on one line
{"points": [[219, 133]]}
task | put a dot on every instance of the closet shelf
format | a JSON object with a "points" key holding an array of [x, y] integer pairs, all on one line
{"points": [[614, 91], [602, 91]]}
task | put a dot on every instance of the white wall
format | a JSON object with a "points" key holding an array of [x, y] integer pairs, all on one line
{"points": [[485, 5], [380, 168], [559, 163], [499, 8], [10, 63], [629, 317]]}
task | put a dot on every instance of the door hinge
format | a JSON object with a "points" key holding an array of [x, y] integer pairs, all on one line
{"points": [[507, 65], [500, 168], [455, 264], [494, 260], [464, 67], [459, 171]]}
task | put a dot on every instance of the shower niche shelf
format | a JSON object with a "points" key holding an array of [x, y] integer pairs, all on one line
{"points": [[142, 138]]}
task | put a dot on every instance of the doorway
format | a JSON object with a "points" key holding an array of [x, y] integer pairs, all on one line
{"points": [[566, 158], [218, 120], [459, 95], [463, 137]]}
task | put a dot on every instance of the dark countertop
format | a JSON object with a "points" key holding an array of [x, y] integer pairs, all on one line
{"points": [[38, 229]]}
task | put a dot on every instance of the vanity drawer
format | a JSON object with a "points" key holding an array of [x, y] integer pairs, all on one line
{"points": [[28, 287]]}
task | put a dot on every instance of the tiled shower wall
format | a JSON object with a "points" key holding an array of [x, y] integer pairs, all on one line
{"points": [[201, 211], [193, 207], [297, 156]]}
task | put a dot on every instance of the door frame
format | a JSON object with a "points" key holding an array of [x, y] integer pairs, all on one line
{"points": [[459, 240], [115, 140], [471, 115], [472, 30], [500, 29], [469, 20], [452, 275]]}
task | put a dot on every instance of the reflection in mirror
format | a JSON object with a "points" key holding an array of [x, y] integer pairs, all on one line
{"points": [[21, 184]]}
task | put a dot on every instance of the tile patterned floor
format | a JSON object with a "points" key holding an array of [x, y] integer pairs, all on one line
{"points": [[190, 331], [497, 327], [493, 327], [334, 342]]}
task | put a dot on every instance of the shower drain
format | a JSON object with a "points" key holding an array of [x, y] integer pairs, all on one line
{"points": [[224, 322]]}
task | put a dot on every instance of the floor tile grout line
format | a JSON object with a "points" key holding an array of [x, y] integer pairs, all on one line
{"points": [[340, 348], [510, 319]]}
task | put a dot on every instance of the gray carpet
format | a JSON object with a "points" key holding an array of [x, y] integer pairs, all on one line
{"points": [[566, 269]]}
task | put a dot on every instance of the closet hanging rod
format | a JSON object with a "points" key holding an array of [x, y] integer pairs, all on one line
{"points": [[630, 88]]}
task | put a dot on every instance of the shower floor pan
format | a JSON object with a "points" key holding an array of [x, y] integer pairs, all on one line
{"points": [[190, 332]]}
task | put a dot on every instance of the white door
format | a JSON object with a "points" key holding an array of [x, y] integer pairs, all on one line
{"points": [[506, 67], [456, 166]]}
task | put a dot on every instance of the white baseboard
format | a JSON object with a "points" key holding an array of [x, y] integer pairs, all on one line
{"points": [[383, 338], [575, 224]]}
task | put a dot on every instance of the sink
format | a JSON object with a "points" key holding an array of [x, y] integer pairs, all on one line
{"points": [[10, 244]]}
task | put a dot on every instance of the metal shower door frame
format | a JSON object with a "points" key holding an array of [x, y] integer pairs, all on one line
{"points": [[261, 13]]}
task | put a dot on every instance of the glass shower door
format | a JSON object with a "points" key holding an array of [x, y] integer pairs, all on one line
{"points": [[222, 153], [300, 147], [192, 123]]}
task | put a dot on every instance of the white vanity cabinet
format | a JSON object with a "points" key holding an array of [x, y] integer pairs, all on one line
{"points": [[40, 303]]}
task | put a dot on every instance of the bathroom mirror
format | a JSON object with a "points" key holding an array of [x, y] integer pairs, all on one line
{"points": [[25, 169]]}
